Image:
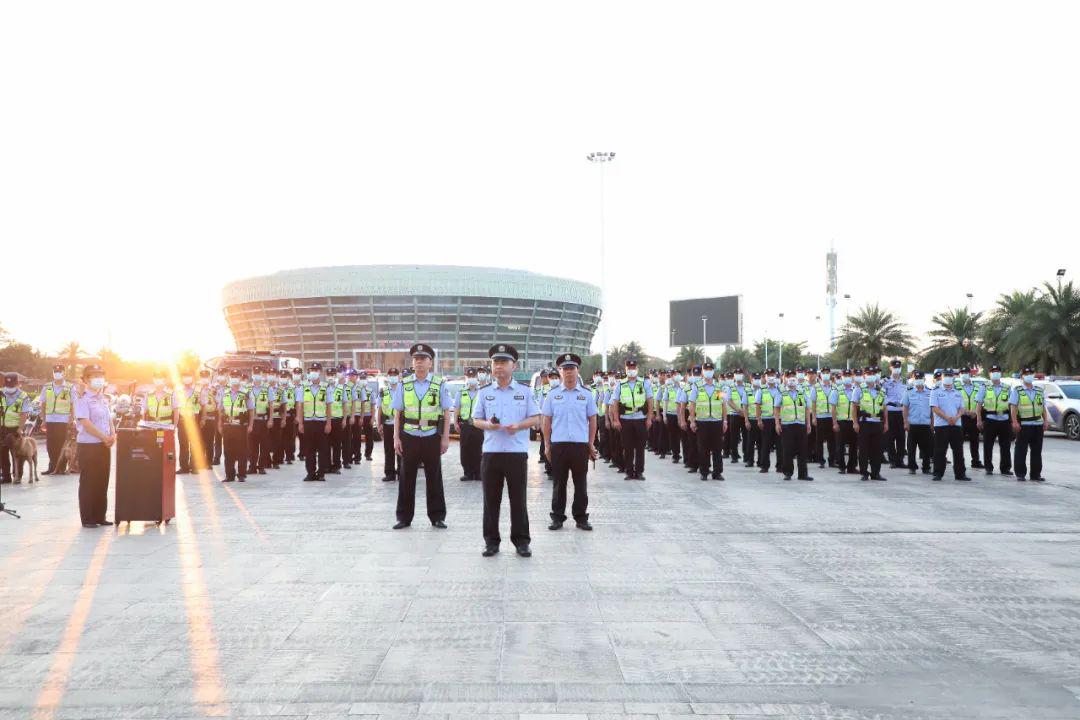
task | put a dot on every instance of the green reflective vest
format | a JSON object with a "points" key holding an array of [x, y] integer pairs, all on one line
{"points": [[337, 402], [386, 404], [465, 411], [262, 401], [736, 397], [821, 399], [671, 405], [969, 398], [314, 403], [711, 403], [56, 403], [996, 402], [752, 410], [792, 409], [422, 413], [235, 411], [13, 408], [1026, 409], [632, 397], [768, 401], [159, 409], [843, 405], [870, 406]]}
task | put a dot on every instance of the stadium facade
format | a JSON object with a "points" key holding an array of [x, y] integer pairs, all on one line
{"points": [[368, 315]]}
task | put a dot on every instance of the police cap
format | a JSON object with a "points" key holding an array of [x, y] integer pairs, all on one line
{"points": [[707, 366], [895, 363], [393, 371], [422, 350], [918, 374], [58, 368], [503, 352], [470, 372], [995, 368], [1027, 369], [568, 360], [631, 363], [315, 366]]}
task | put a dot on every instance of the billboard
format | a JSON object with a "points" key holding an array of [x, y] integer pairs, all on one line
{"points": [[722, 324]]}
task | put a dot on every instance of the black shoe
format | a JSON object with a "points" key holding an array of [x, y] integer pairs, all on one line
{"points": [[676, 461], [763, 470], [309, 478], [287, 462], [104, 523], [1007, 472], [228, 479], [178, 472], [976, 464], [882, 478], [262, 471], [704, 477], [1038, 479], [787, 477], [718, 476], [911, 471], [401, 524], [490, 550], [347, 466], [47, 472], [864, 478], [555, 525], [963, 478], [989, 471], [749, 464], [242, 478], [439, 524], [524, 551], [333, 472], [465, 478], [639, 477], [276, 466], [320, 478], [583, 525], [367, 457], [936, 478], [389, 478], [253, 471], [841, 471], [89, 525], [1020, 478], [807, 478]]}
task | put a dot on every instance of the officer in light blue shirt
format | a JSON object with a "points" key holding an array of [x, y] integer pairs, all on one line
{"points": [[947, 405], [1030, 420], [994, 422], [634, 421], [895, 390], [505, 410], [915, 406], [569, 427]]}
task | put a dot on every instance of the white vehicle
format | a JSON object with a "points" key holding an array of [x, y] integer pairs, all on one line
{"points": [[1062, 398]]}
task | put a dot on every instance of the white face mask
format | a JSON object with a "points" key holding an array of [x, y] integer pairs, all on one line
{"points": [[631, 374], [481, 376], [97, 383], [612, 382], [678, 378], [297, 378], [472, 382], [947, 381], [159, 382], [800, 376], [331, 379], [708, 374], [872, 378], [919, 383], [58, 376], [186, 380], [235, 382], [10, 390], [995, 376], [770, 379], [221, 379], [757, 382], [393, 379], [738, 377], [257, 378], [792, 382], [313, 375], [597, 379], [847, 382], [1029, 379], [964, 377], [858, 379], [896, 372]]}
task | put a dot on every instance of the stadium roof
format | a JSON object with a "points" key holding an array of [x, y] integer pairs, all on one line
{"points": [[408, 280]]}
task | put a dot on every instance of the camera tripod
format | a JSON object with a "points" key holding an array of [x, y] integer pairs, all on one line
{"points": [[4, 510]]}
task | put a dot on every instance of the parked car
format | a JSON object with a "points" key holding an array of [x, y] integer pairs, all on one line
{"points": [[1062, 399]]}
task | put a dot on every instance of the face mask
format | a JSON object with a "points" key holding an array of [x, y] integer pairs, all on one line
{"points": [[596, 379], [58, 376], [472, 382], [1029, 379], [995, 376], [257, 378], [97, 383], [678, 378], [10, 390], [221, 380], [872, 378], [235, 382], [313, 375], [920, 383], [612, 382], [896, 372], [800, 376], [858, 379], [964, 377], [331, 379], [297, 377], [481, 376], [159, 382], [185, 380], [631, 374], [393, 379], [708, 374], [771, 379], [947, 382], [847, 382], [792, 382], [757, 382], [738, 377]]}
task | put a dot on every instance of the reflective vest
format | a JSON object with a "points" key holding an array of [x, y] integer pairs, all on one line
{"points": [[190, 407], [57, 403], [262, 401], [600, 395], [632, 397], [821, 400], [751, 406], [235, 411], [712, 403], [386, 403], [421, 413], [465, 411], [870, 406], [767, 402], [736, 398], [337, 402], [13, 409], [159, 410], [969, 400], [671, 405], [843, 405], [792, 410], [996, 402], [314, 403], [365, 399], [1026, 409]]}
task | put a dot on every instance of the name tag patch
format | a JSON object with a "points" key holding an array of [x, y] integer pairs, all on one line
{"points": [[519, 397]]}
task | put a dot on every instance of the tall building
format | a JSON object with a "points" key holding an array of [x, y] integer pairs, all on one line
{"points": [[368, 315]]}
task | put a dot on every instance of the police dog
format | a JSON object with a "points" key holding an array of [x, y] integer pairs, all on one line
{"points": [[25, 451], [69, 456]]}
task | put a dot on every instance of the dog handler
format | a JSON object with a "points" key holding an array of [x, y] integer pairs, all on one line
{"points": [[14, 409], [96, 438]]}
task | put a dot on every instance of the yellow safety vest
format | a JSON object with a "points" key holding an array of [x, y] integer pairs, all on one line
{"points": [[159, 410], [969, 399], [712, 403], [262, 402], [751, 406], [209, 408], [314, 403], [632, 397], [386, 404], [767, 401], [843, 405], [1025, 408], [365, 399], [671, 405], [465, 411], [870, 406], [422, 413], [996, 402], [13, 409], [821, 399], [191, 404], [61, 403], [792, 410], [736, 398], [235, 410]]}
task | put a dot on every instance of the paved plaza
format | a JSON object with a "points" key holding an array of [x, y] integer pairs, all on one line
{"points": [[750, 598]]}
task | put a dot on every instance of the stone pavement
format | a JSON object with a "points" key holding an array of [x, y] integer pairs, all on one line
{"points": [[752, 598]]}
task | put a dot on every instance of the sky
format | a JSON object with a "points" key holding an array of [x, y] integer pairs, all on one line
{"points": [[152, 152]]}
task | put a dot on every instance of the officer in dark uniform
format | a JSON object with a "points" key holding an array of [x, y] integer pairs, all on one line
{"points": [[422, 436], [235, 417], [385, 408], [470, 438], [313, 424]]}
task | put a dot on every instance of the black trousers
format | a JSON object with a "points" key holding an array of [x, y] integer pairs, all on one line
{"points": [[918, 437], [218, 445], [183, 440], [654, 436], [345, 442], [317, 447], [736, 432], [971, 436], [94, 465], [416, 450], [234, 438], [570, 458], [389, 456], [601, 437], [999, 431], [811, 444], [674, 434], [208, 428], [7, 458], [369, 436], [288, 438], [665, 437], [277, 442], [633, 442], [1029, 438], [825, 441], [794, 443], [258, 455], [615, 447], [847, 442], [690, 452], [710, 440], [895, 443], [752, 441], [55, 437], [511, 469], [334, 440], [871, 440], [471, 446], [769, 440], [946, 437]]}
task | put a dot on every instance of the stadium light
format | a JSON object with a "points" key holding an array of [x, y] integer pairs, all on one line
{"points": [[602, 159]]}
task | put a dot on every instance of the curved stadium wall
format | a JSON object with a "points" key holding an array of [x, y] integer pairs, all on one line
{"points": [[367, 314]]}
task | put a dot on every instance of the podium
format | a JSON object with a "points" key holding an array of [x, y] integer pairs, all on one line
{"points": [[145, 475]]}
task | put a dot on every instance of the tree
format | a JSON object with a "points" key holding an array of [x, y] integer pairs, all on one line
{"points": [[21, 358], [188, 363], [954, 340], [871, 334], [690, 355], [71, 354], [1002, 320], [1048, 334], [792, 355], [111, 362], [736, 356]]}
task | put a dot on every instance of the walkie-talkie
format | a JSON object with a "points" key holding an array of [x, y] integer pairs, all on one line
{"points": [[495, 419]]}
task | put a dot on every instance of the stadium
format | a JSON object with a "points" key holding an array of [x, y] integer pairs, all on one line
{"points": [[367, 316]]}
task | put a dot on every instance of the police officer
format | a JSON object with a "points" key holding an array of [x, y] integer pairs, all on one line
{"points": [[470, 438], [707, 405], [738, 395], [765, 399], [1030, 420], [540, 394], [614, 439], [751, 413], [422, 435], [569, 428], [365, 393], [313, 424], [263, 399], [338, 407], [994, 422], [14, 409], [599, 389], [672, 407], [58, 409], [871, 424], [285, 442], [843, 424], [160, 405], [385, 408], [820, 398], [632, 401], [208, 416], [947, 405], [791, 420], [235, 418], [506, 411], [895, 389], [188, 426], [222, 380], [95, 439], [915, 409], [969, 422]]}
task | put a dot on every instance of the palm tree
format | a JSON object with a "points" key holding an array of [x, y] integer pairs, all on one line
{"points": [[1002, 320], [737, 356], [1048, 334], [792, 355], [954, 340], [690, 355], [71, 354], [871, 334]]}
